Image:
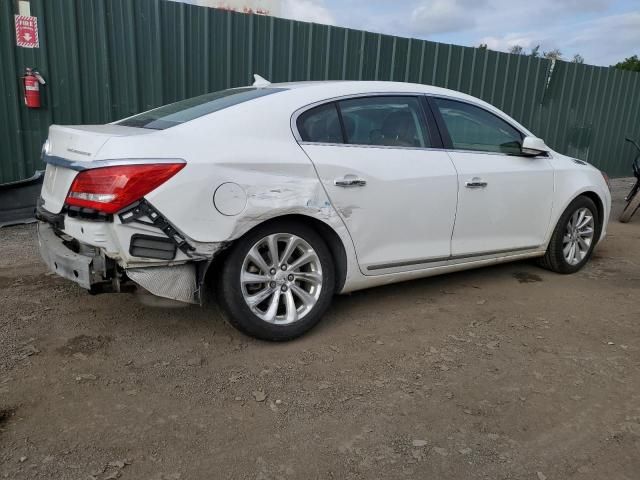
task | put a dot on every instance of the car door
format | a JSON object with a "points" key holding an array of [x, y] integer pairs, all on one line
{"points": [[504, 198], [380, 161]]}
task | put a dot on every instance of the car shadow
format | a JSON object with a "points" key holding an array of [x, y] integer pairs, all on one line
{"points": [[426, 289]]}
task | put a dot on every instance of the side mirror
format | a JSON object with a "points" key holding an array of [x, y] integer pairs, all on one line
{"points": [[534, 146]]}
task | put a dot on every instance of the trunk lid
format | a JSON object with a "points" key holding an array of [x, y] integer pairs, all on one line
{"points": [[77, 143]]}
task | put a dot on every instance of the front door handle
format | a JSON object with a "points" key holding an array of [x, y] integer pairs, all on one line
{"points": [[349, 181], [475, 183]]}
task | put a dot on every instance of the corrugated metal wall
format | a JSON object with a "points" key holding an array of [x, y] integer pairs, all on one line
{"points": [[107, 59]]}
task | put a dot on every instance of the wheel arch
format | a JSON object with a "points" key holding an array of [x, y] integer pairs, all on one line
{"points": [[328, 234], [589, 193], [595, 198], [598, 201]]}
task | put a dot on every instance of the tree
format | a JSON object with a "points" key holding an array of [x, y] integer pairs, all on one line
{"points": [[630, 63], [554, 54], [482, 46], [577, 58], [535, 51], [516, 50]]}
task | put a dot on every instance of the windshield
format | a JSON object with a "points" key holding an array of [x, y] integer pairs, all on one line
{"points": [[191, 108]]}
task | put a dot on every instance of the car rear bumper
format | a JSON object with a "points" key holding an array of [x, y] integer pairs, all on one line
{"points": [[86, 268]]}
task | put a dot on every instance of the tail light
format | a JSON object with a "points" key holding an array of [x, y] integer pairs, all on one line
{"points": [[110, 189]]}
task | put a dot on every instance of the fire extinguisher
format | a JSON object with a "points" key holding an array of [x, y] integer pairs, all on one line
{"points": [[32, 81]]}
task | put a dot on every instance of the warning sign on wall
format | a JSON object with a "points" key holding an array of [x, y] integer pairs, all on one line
{"points": [[27, 31]]}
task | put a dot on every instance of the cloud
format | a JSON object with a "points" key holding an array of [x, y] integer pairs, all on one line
{"points": [[607, 40], [597, 29], [602, 41], [508, 41], [442, 16], [307, 11], [582, 5]]}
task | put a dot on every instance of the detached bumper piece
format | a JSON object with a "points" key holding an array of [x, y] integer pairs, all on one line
{"points": [[86, 266], [149, 246], [143, 209], [177, 282], [54, 219]]}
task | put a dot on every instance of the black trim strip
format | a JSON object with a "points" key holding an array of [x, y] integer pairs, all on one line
{"points": [[447, 143], [432, 125], [345, 139], [64, 162], [444, 259], [80, 166]]}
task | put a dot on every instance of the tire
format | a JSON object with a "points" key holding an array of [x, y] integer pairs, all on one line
{"points": [[555, 258], [289, 308], [631, 208]]}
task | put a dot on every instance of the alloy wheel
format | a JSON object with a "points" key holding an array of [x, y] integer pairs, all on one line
{"points": [[281, 278], [578, 236]]}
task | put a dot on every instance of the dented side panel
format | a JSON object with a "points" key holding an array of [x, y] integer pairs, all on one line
{"points": [[405, 210]]}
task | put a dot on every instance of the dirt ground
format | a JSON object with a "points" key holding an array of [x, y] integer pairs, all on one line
{"points": [[506, 372]]}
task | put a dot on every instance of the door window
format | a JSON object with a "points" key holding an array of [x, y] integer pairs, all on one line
{"points": [[384, 121], [473, 128], [320, 125]]}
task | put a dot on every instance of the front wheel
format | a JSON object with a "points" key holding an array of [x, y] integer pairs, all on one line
{"points": [[630, 209], [277, 282], [574, 237]]}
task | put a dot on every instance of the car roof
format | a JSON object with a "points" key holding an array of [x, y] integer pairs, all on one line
{"points": [[333, 89], [336, 88], [366, 85]]}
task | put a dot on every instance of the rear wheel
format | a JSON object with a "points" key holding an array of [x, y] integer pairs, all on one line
{"points": [[574, 237], [630, 209], [277, 282]]}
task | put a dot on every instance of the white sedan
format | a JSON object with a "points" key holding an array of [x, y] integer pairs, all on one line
{"points": [[276, 197]]}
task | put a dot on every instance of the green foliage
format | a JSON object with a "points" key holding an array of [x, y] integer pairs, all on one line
{"points": [[630, 63]]}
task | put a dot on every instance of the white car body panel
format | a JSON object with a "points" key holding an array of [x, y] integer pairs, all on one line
{"points": [[403, 213], [56, 180], [251, 146], [573, 178], [512, 212]]}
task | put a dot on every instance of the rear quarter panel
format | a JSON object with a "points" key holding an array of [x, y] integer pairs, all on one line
{"points": [[250, 145]]}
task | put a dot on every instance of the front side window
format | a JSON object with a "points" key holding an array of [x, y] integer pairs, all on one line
{"points": [[384, 121], [320, 125], [473, 128], [192, 108]]}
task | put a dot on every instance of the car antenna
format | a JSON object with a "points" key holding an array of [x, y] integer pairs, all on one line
{"points": [[260, 82]]}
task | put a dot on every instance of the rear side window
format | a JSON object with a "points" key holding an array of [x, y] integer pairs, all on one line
{"points": [[192, 108], [320, 125], [473, 128], [385, 121]]}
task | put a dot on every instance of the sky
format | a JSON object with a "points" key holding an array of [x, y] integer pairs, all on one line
{"points": [[602, 31]]}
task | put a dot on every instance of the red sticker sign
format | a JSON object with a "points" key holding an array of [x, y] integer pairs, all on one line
{"points": [[27, 31]]}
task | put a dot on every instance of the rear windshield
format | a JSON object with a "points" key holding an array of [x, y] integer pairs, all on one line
{"points": [[191, 108]]}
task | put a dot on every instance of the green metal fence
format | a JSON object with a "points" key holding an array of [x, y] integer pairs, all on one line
{"points": [[106, 59]]}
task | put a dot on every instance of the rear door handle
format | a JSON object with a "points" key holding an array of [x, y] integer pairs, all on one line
{"points": [[475, 183], [349, 181]]}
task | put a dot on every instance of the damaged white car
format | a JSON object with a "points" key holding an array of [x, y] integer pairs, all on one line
{"points": [[276, 197]]}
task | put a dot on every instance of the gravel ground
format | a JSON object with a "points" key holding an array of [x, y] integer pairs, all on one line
{"points": [[505, 372]]}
